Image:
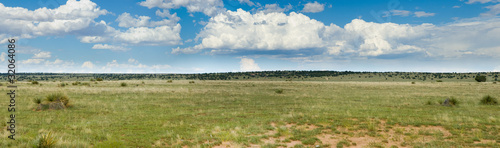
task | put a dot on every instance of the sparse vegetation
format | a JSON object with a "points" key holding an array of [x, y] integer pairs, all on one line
{"points": [[251, 113], [488, 100]]}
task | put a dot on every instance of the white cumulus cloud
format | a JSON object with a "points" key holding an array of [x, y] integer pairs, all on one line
{"points": [[87, 64], [247, 64], [126, 20], [313, 7]]}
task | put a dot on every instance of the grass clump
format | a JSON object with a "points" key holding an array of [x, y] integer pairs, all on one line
{"points": [[488, 100], [278, 91], [439, 80], [191, 82], [37, 100], [169, 81], [46, 141], [412, 82], [123, 84], [98, 79], [58, 97], [34, 82], [61, 85]]}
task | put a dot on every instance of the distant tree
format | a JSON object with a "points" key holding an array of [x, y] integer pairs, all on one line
{"points": [[480, 78]]}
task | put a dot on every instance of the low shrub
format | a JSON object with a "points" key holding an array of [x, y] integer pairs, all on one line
{"points": [[279, 91], [412, 82], [34, 82], [439, 80], [488, 100], [98, 79], [191, 82], [58, 97], [169, 81], [123, 84], [480, 78]]}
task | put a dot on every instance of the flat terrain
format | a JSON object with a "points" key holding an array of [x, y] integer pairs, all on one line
{"points": [[155, 113]]}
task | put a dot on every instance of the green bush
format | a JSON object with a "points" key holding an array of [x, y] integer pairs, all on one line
{"points": [[34, 82], [412, 82], [123, 84], [46, 141], [169, 81], [488, 100], [98, 79], [480, 78], [279, 91], [191, 82]]}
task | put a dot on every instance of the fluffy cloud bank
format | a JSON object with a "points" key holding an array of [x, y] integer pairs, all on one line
{"points": [[238, 31], [78, 18]]}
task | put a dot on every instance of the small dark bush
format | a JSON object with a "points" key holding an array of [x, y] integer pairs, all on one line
{"points": [[169, 81], [412, 82], [98, 79], [34, 82], [191, 82], [480, 78], [92, 80], [439, 80], [488, 100], [429, 103], [279, 91], [123, 84], [494, 82]]}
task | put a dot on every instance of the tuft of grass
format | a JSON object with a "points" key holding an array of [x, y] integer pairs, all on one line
{"points": [[46, 141], [37, 100], [279, 91], [439, 80], [98, 79], [123, 84], [61, 85], [454, 101], [429, 103], [488, 100], [412, 82], [191, 82], [34, 82], [169, 81]]}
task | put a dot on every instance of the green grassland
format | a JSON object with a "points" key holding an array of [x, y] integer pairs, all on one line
{"points": [[278, 113]]}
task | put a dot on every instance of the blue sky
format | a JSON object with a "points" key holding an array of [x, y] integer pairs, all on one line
{"points": [[197, 36]]}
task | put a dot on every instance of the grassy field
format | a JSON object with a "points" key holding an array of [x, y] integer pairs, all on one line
{"points": [[155, 113]]}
